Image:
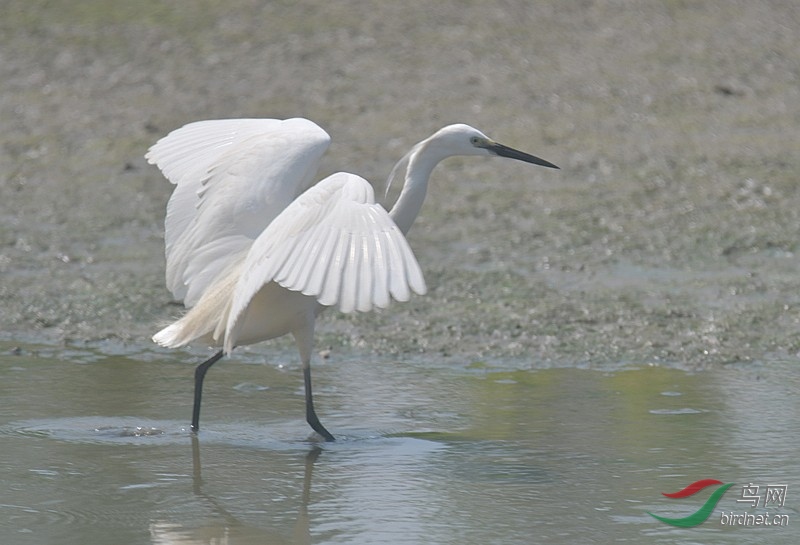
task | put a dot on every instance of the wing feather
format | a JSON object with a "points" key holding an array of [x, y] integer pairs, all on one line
{"points": [[366, 286], [352, 274], [233, 177], [291, 273], [318, 273], [334, 275], [197, 146], [333, 243], [381, 272], [398, 288]]}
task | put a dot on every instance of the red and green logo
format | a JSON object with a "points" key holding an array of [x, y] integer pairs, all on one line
{"points": [[699, 516]]}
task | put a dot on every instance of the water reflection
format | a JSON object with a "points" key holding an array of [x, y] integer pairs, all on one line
{"points": [[227, 528], [371, 486], [427, 454]]}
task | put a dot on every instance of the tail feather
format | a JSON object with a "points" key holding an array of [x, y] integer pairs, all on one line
{"points": [[195, 325], [206, 320], [170, 336]]}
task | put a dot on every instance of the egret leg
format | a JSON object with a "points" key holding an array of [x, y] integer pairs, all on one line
{"points": [[305, 343], [311, 414], [199, 376]]}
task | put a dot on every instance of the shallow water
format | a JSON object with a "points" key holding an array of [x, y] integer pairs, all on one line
{"points": [[669, 235], [96, 449]]}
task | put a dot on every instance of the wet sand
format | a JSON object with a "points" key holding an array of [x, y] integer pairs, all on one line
{"points": [[669, 235]]}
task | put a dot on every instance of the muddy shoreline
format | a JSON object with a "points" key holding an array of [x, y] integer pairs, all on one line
{"points": [[669, 235]]}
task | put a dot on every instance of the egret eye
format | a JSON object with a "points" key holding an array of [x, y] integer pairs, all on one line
{"points": [[475, 140]]}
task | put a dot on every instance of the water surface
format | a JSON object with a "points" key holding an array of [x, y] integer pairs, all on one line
{"points": [[96, 449]]}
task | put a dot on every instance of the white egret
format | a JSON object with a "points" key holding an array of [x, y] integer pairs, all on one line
{"points": [[255, 251]]}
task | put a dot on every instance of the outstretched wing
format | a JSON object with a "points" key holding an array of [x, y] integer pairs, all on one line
{"points": [[233, 177], [335, 244]]}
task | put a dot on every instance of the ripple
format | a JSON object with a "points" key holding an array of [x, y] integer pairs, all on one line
{"points": [[100, 429], [250, 387], [683, 410], [125, 512], [279, 436]]}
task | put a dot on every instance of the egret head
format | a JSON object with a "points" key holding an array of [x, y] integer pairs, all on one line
{"points": [[457, 139], [461, 139]]}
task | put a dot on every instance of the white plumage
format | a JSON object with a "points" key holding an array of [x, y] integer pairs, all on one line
{"points": [[255, 251]]}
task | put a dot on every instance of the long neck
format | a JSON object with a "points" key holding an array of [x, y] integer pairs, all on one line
{"points": [[421, 163]]}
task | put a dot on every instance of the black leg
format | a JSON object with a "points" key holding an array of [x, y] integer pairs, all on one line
{"points": [[199, 375], [311, 415]]}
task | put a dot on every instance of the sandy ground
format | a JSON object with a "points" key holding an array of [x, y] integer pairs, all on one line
{"points": [[670, 234]]}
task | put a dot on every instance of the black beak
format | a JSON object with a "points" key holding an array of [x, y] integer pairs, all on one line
{"points": [[511, 153]]}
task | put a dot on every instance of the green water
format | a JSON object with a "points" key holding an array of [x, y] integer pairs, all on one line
{"points": [[96, 449]]}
